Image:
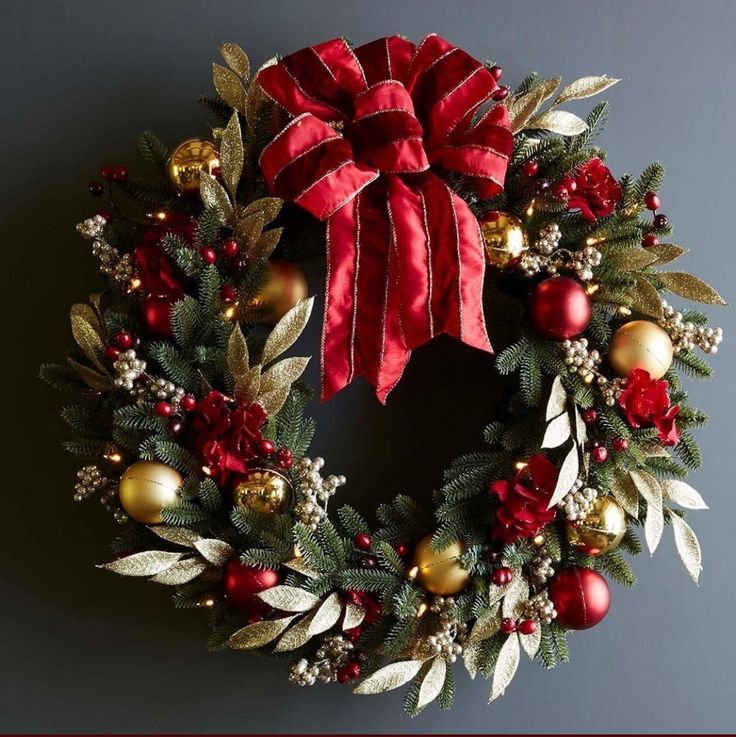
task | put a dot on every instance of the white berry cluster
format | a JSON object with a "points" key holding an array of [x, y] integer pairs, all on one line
{"points": [[159, 390], [316, 491], [685, 335], [112, 263], [128, 368], [545, 255], [611, 389], [92, 227], [332, 654], [541, 570], [89, 482], [581, 361], [540, 608], [538, 256], [445, 641], [578, 501]]}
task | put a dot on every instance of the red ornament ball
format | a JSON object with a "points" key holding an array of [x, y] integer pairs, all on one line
{"points": [[581, 597], [559, 308], [651, 200], [243, 582], [157, 314]]}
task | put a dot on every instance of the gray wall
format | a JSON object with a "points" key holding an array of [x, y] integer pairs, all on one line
{"points": [[84, 650]]}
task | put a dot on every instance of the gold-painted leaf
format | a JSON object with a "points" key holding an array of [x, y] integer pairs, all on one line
{"points": [[248, 386], [471, 658], [567, 477], [270, 207], [255, 99], [93, 379], [560, 122], [181, 572], [531, 643], [650, 489], [287, 330], [214, 551], [236, 59], [258, 634], [248, 230], [486, 626], [666, 252], [506, 665], [390, 677], [272, 401], [523, 107], [683, 494], [516, 596], [300, 566], [585, 87], [289, 598], [148, 563], [645, 298], [354, 615], [284, 373], [266, 244], [625, 492], [496, 593], [232, 155], [214, 196], [691, 287], [632, 259], [558, 431], [229, 87], [297, 636], [687, 546], [237, 353], [432, 682], [327, 615], [176, 535], [557, 399], [88, 333]]}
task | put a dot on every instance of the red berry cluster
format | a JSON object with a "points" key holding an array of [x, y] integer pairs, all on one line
{"points": [[501, 92], [123, 341], [599, 452], [661, 221], [109, 173], [524, 626]]}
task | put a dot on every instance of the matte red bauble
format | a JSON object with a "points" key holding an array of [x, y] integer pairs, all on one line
{"points": [[581, 597], [559, 308], [243, 582], [157, 314]]}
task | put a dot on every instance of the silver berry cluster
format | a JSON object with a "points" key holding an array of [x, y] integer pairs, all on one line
{"points": [[578, 502], [685, 335], [128, 368], [446, 641], [611, 389], [316, 491], [331, 656], [540, 608], [160, 390], [112, 263], [545, 255], [92, 227], [581, 361], [584, 261], [89, 482], [541, 570]]}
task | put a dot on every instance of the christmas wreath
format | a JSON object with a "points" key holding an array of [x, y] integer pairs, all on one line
{"points": [[442, 202]]}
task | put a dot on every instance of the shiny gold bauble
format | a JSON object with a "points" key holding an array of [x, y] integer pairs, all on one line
{"points": [[504, 236], [440, 572], [285, 286], [146, 488], [602, 528], [640, 344], [263, 491], [190, 158]]}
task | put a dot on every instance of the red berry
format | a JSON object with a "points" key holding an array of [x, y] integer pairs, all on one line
{"points": [[228, 293], [175, 426], [112, 352], [661, 221], [362, 541], [209, 255], [530, 168], [120, 174], [369, 561], [508, 625], [96, 189], [124, 339], [651, 200], [265, 448], [284, 458], [527, 627], [354, 633], [620, 444], [560, 192], [590, 416], [502, 576], [255, 617], [216, 171], [107, 173], [599, 454], [501, 93], [163, 409], [542, 186], [570, 183], [230, 248], [649, 240], [104, 214], [187, 403], [402, 550], [496, 72], [348, 672]]}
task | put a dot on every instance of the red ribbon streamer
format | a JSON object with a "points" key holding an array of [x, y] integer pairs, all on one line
{"points": [[404, 252]]}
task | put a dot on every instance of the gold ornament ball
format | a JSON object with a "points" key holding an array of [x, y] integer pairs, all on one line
{"points": [[191, 157], [263, 491], [504, 236], [285, 286], [440, 572], [146, 488], [640, 344], [602, 528]]}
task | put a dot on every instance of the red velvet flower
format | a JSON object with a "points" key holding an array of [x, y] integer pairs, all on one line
{"points": [[597, 191], [524, 499], [158, 273], [226, 439], [646, 402]]}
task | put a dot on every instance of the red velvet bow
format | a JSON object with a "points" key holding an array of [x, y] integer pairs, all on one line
{"points": [[404, 253]]}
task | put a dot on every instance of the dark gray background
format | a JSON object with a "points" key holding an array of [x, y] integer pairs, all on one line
{"points": [[86, 651]]}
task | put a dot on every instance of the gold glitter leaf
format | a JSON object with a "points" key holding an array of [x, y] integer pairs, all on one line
{"points": [[558, 431], [90, 377], [177, 535], [214, 196], [645, 298], [272, 401], [181, 572], [560, 122], [432, 682], [229, 87], [232, 155], [87, 332], [248, 386], [585, 87], [506, 665], [249, 228], [255, 99], [666, 252], [390, 677], [266, 244], [300, 566], [557, 399], [691, 287], [237, 353], [567, 477], [297, 636], [258, 634], [148, 563], [650, 489], [326, 616], [284, 373], [236, 59], [625, 492], [523, 107], [683, 494], [632, 259], [531, 643], [486, 626], [270, 207], [214, 551], [471, 658], [516, 596], [289, 598], [687, 546], [287, 330], [354, 615]]}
